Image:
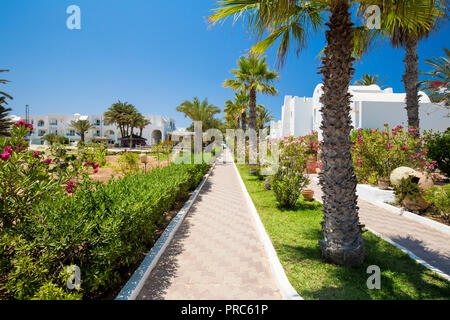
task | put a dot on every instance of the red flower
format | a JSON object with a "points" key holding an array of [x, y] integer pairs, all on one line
{"points": [[47, 161], [436, 84]]}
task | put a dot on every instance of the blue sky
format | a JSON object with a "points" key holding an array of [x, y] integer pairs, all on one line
{"points": [[154, 54]]}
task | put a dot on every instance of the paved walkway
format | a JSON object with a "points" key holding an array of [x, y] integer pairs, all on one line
{"points": [[216, 253], [427, 243]]}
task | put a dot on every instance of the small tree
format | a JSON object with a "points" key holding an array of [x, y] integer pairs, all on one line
{"points": [[51, 138], [81, 127]]}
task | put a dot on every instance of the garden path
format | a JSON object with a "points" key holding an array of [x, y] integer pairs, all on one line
{"points": [[216, 253], [429, 244]]}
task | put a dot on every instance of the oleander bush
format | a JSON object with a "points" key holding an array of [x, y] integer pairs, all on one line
{"points": [[53, 217], [377, 153], [289, 180]]}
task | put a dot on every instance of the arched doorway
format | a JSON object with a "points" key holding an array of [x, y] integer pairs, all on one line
{"points": [[156, 137]]}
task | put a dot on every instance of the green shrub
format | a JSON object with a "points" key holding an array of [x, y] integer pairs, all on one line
{"points": [[289, 180], [438, 144], [440, 199], [129, 162], [407, 188], [105, 229]]}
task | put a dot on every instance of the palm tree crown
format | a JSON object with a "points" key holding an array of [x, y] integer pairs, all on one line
{"points": [[236, 111], [437, 86], [368, 80], [125, 116], [199, 111], [252, 76], [81, 127]]}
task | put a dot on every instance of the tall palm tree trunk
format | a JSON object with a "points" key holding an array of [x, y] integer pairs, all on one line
{"points": [[82, 137], [244, 121], [411, 80], [343, 242], [252, 110]]}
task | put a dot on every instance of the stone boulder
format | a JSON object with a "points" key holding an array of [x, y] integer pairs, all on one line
{"points": [[400, 173]]}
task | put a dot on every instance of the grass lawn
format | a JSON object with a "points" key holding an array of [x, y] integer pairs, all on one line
{"points": [[295, 235]]}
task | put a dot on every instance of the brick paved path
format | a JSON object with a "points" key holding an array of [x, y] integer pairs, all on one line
{"points": [[427, 243], [216, 253]]}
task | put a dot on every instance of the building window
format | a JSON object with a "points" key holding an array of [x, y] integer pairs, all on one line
{"points": [[40, 123]]}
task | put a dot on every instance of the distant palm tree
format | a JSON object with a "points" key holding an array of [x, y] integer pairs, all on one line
{"points": [[438, 84], [263, 116], [368, 80], [199, 111], [51, 138], [141, 124], [124, 115], [405, 23], [81, 127], [236, 111], [252, 76]]}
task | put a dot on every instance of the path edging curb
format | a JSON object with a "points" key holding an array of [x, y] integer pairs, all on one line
{"points": [[286, 289], [134, 285]]}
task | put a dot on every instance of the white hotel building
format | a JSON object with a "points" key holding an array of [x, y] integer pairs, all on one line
{"points": [[59, 124], [371, 108]]}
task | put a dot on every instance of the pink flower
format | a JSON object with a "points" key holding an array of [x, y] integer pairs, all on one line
{"points": [[95, 170], [424, 152], [47, 161], [8, 149], [96, 165], [389, 147], [71, 186], [36, 154], [5, 156], [24, 124], [405, 148]]}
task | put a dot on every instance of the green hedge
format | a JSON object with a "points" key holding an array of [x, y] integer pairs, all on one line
{"points": [[105, 229]]}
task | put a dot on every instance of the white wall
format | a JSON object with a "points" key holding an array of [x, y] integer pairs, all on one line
{"points": [[303, 116], [376, 114]]}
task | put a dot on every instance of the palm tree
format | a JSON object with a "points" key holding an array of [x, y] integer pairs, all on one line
{"points": [[142, 123], [263, 116], [51, 138], [199, 111], [5, 122], [3, 81], [124, 115], [253, 76], [439, 82], [343, 242], [405, 23], [81, 127], [236, 111], [368, 80]]}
